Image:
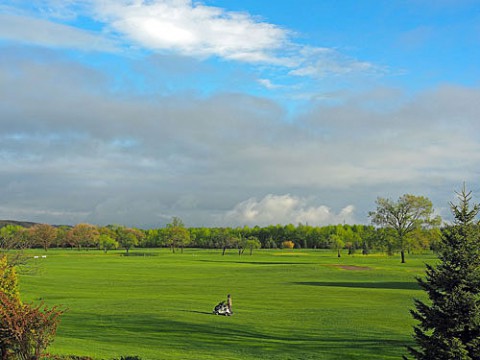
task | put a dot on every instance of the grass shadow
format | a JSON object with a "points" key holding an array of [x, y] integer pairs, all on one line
{"points": [[257, 262], [227, 339], [198, 312], [392, 285], [141, 254]]}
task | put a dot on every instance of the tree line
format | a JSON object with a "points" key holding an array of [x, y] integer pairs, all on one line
{"points": [[342, 238]]}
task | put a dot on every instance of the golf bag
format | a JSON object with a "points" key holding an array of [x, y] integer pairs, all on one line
{"points": [[222, 309]]}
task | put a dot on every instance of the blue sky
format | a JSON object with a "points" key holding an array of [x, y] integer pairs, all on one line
{"points": [[233, 113]]}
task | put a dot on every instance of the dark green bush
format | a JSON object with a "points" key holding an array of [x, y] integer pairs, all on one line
{"points": [[75, 357], [66, 357]]}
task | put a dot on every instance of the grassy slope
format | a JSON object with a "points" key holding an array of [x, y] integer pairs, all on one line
{"points": [[288, 304]]}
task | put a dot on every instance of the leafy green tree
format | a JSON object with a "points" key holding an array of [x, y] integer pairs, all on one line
{"points": [[15, 237], [252, 243], [43, 235], [153, 238], [243, 242], [369, 238], [176, 235], [109, 230], [290, 233], [105, 242], [224, 239], [425, 239], [62, 239], [449, 325], [337, 243], [384, 240], [350, 247], [128, 237], [322, 237], [201, 237], [404, 216], [83, 235], [9, 235], [270, 243]]}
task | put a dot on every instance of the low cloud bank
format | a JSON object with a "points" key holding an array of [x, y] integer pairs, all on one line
{"points": [[285, 209]]}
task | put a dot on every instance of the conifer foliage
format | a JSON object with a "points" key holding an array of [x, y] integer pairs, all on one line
{"points": [[449, 325]]}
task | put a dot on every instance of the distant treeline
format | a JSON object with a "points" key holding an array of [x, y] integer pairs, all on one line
{"points": [[342, 238]]}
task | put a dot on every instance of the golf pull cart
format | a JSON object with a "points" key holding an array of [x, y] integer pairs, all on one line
{"points": [[224, 308]]}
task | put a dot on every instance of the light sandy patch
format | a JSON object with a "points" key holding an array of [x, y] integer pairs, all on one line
{"points": [[352, 267], [291, 253]]}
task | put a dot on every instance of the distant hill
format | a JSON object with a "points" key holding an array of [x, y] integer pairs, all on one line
{"points": [[25, 224]]}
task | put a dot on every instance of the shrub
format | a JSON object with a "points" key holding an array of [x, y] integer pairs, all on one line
{"points": [[75, 357], [8, 279], [288, 244], [65, 357], [25, 329]]}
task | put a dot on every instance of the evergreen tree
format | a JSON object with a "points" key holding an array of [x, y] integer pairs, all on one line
{"points": [[449, 326]]}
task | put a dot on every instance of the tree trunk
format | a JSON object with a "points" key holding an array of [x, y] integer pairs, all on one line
{"points": [[403, 256], [251, 250], [224, 249], [338, 253]]}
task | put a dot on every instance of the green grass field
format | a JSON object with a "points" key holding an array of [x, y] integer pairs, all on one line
{"points": [[287, 304]]}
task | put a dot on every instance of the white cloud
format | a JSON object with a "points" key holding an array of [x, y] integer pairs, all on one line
{"points": [[268, 84], [285, 209], [320, 62], [194, 29], [178, 27]]}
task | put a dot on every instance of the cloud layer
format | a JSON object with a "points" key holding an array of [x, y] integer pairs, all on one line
{"points": [[74, 151], [175, 108]]}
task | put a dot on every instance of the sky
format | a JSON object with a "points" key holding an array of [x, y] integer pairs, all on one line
{"points": [[233, 113]]}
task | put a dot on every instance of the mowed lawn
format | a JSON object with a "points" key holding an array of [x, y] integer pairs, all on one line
{"points": [[288, 304]]}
